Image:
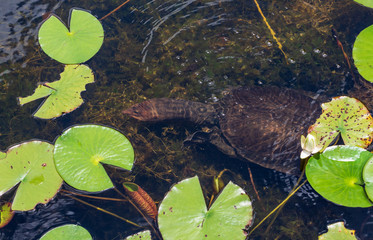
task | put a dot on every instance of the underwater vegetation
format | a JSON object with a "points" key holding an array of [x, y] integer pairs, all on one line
{"points": [[95, 147]]}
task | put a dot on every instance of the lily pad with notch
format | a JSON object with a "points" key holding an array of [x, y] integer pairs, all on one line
{"points": [[183, 213], [81, 150], [68, 231], [345, 116], [75, 45], [336, 174], [63, 96], [30, 166]]}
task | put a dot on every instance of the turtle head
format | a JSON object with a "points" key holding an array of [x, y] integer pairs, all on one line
{"points": [[145, 111]]}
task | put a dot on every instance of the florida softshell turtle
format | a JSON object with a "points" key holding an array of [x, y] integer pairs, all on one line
{"points": [[260, 124]]}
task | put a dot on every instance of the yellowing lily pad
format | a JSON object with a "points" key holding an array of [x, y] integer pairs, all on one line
{"points": [[183, 213], [6, 214], [81, 150], [63, 96], [73, 46], [337, 231], [68, 231], [345, 116], [30, 165]]}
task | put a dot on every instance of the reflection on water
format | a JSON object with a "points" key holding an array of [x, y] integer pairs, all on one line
{"points": [[180, 49]]}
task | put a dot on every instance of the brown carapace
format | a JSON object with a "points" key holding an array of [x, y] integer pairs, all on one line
{"points": [[259, 124]]}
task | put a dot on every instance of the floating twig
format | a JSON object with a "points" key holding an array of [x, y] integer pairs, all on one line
{"points": [[271, 30], [116, 9]]}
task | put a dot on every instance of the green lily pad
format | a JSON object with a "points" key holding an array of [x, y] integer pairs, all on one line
{"points": [[362, 52], [73, 46], [368, 178], [336, 174], [80, 151], [183, 213], [346, 116], [337, 231], [30, 165], [367, 3], [6, 214], [68, 231], [64, 94], [144, 235]]}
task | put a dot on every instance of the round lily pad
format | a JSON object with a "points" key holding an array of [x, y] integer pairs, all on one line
{"points": [[367, 3], [63, 96], [183, 213], [68, 231], [337, 231], [346, 116], [362, 52], [144, 235], [30, 165], [80, 151], [336, 174], [6, 214], [73, 46], [368, 178]]}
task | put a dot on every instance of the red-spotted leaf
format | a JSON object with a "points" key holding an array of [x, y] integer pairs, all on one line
{"points": [[345, 116]]}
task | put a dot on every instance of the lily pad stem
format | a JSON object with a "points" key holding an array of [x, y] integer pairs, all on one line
{"points": [[103, 210], [274, 210], [94, 197]]}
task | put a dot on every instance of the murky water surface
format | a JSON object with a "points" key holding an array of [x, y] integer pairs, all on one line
{"points": [[181, 49]]}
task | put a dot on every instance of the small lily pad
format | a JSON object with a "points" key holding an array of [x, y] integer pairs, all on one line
{"points": [[30, 165], [68, 231], [6, 214], [368, 178], [367, 3], [144, 235], [73, 46], [337, 231], [336, 174], [346, 116], [64, 94], [80, 151], [362, 52], [183, 213]]}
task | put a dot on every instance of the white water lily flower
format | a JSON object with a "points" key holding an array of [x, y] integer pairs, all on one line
{"points": [[309, 146]]}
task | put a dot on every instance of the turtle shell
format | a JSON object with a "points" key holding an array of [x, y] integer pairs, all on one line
{"points": [[265, 125]]}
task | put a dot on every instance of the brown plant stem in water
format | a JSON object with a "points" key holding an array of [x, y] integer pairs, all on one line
{"points": [[116, 9], [102, 210], [94, 197]]}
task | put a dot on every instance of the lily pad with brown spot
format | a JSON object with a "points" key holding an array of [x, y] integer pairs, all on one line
{"points": [[345, 116], [337, 231]]}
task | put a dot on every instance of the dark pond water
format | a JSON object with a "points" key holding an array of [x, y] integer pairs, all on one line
{"points": [[181, 49]]}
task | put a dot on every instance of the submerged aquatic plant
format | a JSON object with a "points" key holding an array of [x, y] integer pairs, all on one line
{"points": [[63, 96]]}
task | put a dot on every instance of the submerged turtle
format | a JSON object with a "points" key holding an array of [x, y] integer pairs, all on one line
{"points": [[260, 124]]}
